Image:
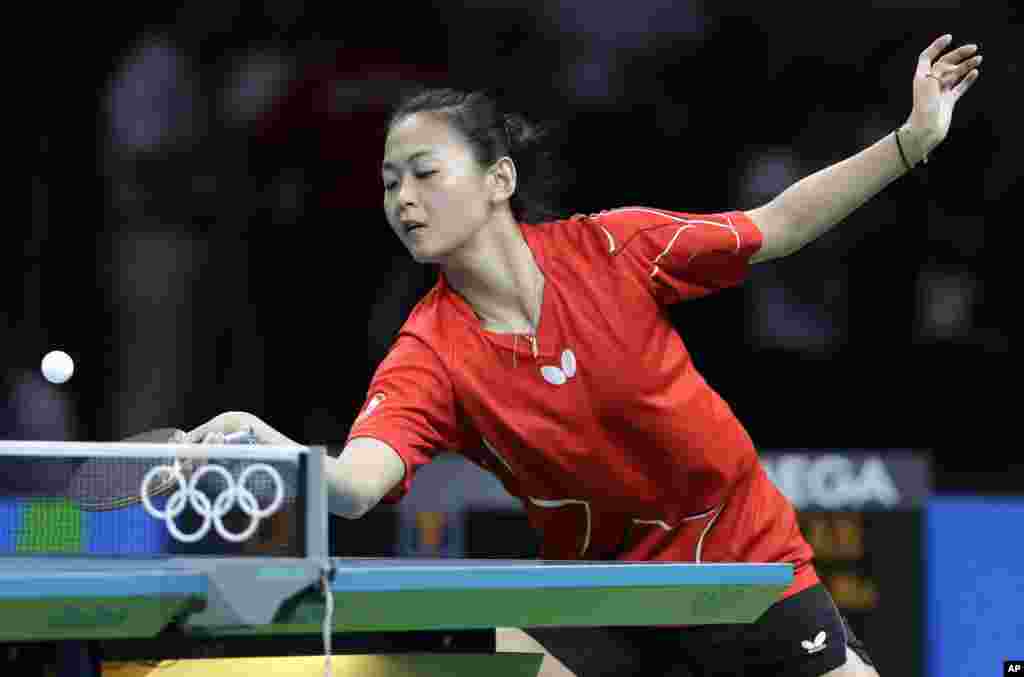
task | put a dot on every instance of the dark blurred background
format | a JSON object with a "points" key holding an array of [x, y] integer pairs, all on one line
{"points": [[206, 234], [206, 231]]}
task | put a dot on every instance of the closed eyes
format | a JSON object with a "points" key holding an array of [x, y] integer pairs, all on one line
{"points": [[390, 185]]}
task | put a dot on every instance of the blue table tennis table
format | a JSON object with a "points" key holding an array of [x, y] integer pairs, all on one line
{"points": [[88, 608], [56, 599]]}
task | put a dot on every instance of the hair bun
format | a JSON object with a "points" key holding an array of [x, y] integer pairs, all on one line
{"points": [[511, 129]]}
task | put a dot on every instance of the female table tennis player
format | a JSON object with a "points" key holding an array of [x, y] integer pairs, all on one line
{"points": [[543, 355]]}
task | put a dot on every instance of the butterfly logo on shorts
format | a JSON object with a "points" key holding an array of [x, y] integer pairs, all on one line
{"points": [[815, 645]]}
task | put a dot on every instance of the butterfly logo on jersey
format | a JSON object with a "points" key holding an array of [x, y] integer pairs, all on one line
{"points": [[557, 376]]}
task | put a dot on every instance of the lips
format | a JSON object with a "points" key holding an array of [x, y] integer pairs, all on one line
{"points": [[410, 226]]}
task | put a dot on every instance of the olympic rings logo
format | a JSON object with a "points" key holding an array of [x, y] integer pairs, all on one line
{"points": [[213, 514]]}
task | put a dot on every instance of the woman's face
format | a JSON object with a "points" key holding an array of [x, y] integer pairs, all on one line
{"points": [[435, 195]]}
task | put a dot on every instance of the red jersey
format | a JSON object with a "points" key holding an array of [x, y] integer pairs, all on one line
{"points": [[600, 423]]}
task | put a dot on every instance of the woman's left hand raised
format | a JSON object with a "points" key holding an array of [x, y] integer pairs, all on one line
{"points": [[939, 82]]}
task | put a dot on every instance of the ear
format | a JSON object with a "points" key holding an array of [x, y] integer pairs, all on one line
{"points": [[503, 179]]}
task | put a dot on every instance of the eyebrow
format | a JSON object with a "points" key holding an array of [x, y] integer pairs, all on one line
{"points": [[391, 165]]}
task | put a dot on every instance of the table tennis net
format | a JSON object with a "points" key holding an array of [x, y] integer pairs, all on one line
{"points": [[89, 506]]}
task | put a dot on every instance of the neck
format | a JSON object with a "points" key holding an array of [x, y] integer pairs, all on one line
{"points": [[496, 274]]}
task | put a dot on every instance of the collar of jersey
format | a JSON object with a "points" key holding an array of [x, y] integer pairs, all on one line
{"points": [[512, 342]]}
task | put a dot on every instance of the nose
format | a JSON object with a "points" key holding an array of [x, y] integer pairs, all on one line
{"points": [[405, 205], [405, 194]]}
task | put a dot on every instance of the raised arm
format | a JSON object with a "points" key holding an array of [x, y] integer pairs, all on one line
{"points": [[812, 206]]}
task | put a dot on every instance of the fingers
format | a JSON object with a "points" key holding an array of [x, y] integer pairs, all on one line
{"points": [[228, 422], [213, 437], [956, 69], [196, 436], [191, 461], [958, 63], [966, 83], [215, 430], [205, 434], [959, 54], [187, 463], [964, 68], [933, 50]]}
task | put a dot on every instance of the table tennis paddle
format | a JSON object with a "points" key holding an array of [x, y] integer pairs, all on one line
{"points": [[102, 484]]}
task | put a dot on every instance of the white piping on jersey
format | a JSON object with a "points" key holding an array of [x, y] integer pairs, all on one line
{"points": [[611, 240], [732, 229], [540, 502], [499, 456], [690, 223], [668, 527], [707, 528], [659, 523], [543, 503], [672, 242], [682, 220]]}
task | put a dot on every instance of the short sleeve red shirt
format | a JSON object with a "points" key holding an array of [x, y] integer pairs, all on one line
{"points": [[600, 424]]}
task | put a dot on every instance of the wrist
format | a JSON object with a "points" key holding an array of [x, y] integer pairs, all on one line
{"points": [[918, 142]]}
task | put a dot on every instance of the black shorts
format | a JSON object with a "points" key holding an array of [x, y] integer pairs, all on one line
{"points": [[786, 641]]}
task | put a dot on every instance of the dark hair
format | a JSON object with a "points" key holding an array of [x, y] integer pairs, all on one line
{"points": [[492, 134]]}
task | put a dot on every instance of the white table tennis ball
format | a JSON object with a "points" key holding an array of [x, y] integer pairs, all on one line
{"points": [[57, 366]]}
